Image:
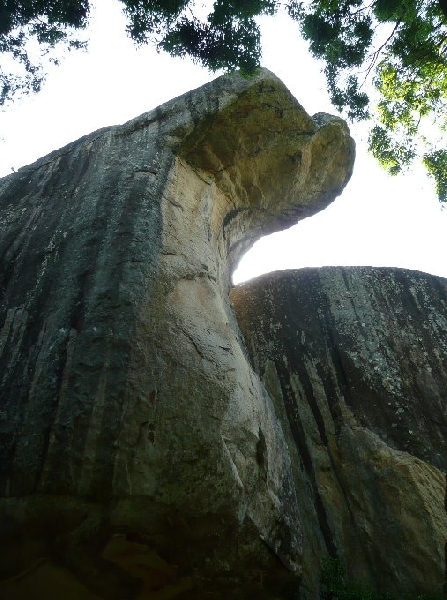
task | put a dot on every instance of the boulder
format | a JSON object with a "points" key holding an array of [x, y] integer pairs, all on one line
{"points": [[355, 359]]}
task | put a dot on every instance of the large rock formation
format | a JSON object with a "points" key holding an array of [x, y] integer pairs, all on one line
{"points": [[141, 455], [356, 362], [148, 452]]}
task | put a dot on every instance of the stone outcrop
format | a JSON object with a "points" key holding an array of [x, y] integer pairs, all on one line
{"points": [[141, 455], [356, 362]]}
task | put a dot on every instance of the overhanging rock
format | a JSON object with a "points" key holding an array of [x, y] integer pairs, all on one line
{"points": [[141, 456]]}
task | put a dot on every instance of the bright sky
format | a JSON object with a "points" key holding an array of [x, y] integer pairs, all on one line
{"points": [[378, 220]]}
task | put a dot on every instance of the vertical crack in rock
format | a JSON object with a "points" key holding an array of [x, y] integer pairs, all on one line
{"points": [[141, 456]]}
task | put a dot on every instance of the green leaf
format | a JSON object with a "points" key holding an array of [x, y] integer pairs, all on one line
{"points": [[436, 165]]}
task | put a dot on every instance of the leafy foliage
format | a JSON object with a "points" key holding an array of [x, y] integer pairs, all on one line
{"points": [[228, 38], [436, 164], [340, 33], [404, 42], [27, 23], [335, 585], [400, 44]]}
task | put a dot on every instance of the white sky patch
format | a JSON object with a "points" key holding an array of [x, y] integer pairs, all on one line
{"points": [[378, 220]]}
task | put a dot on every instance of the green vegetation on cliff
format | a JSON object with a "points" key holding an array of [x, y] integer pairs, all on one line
{"points": [[337, 586]]}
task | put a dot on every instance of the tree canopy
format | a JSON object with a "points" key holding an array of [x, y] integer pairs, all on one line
{"points": [[402, 46], [384, 60]]}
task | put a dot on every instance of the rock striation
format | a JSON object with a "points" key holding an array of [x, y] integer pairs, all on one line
{"points": [[142, 456], [356, 362]]}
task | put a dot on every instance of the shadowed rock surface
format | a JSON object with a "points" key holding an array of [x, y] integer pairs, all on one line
{"points": [[356, 360], [141, 456]]}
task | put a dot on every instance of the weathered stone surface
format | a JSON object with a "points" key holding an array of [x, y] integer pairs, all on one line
{"points": [[141, 456], [356, 360]]}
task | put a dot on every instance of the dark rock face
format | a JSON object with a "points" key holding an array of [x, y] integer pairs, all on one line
{"points": [[356, 359], [141, 456]]}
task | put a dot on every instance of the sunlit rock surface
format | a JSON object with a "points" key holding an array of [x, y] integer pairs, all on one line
{"points": [[141, 455], [355, 359]]}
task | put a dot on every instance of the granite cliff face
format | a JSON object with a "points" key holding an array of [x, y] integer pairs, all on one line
{"points": [[159, 440], [141, 454], [356, 361]]}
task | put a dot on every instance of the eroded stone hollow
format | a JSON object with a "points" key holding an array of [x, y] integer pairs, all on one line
{"points": [[143, 453]]}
